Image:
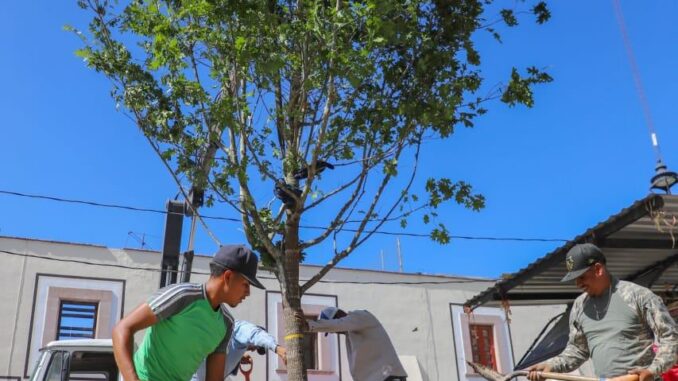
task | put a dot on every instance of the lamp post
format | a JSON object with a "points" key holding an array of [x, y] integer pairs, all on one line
{"points": [[663, 179]]}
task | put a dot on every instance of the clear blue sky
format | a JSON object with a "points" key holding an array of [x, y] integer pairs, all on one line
{"points": [[581, 154]]}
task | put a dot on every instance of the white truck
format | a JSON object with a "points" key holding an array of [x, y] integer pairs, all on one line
{"points": [[76, 360]]}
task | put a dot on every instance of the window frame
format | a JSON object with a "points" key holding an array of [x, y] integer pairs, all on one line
{"points": [[503, 345], [95, 304]]}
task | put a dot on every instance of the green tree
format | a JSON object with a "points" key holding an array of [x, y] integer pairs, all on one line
{"points": [[237, 96]]}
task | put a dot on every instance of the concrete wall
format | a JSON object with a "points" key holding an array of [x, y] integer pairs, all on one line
{"points": [[417, 316]]}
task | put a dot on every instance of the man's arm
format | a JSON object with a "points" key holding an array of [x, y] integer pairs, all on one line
{"points": [[355, 320], [574, 354], [123, 339], [251, 334], [216, 362], [663, 326]]}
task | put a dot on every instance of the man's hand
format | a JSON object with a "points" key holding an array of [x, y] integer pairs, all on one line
{"points": [[245, 359], [643, 374], [282, 353], [535, 370]]}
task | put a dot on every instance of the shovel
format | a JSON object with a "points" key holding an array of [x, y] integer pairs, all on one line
{"points": [[493, 375]]}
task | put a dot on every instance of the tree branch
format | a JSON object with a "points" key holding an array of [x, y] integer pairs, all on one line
{"points": [[356, 241]]}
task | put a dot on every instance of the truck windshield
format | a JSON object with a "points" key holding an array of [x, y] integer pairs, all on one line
{"points": [[48, 367]]}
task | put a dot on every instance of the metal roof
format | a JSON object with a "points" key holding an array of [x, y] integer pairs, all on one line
{"points": [[639, 243]]}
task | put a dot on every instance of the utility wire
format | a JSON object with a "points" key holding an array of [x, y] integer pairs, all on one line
{"points": [[157, 270], [232, 219]]}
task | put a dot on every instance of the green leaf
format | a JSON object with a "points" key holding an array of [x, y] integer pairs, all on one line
{"points": [[509, 17], [240, 42], [542, 12]]}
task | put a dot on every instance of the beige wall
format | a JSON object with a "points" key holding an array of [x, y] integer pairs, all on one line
{"points": [[417, 317]]}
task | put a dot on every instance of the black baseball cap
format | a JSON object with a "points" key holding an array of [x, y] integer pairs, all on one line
{"points": [[580, 258], [241, 260]]}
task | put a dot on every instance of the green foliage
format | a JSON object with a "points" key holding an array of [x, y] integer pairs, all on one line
{"points": [[542, 12], [509, 17], [519, 89], [440, 234], [236, 95]]}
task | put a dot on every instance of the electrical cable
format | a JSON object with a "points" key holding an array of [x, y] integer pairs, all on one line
{"points": [[152, 269], [232, 219], [635, 71]]}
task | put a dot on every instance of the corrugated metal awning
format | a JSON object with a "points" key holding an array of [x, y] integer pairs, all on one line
{"points": [[639, 243]]}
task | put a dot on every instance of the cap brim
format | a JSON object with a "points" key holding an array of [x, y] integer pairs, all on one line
{"points": [[254, 282], [574, 274]]}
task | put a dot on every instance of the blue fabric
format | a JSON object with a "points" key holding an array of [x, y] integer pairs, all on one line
{"points": [[328, 313], [244, 335]]}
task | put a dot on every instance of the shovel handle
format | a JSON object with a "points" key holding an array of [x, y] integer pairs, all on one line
{"points": [[569, 377]]}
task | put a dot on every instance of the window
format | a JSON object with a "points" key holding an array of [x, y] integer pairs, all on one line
{"points": [[93, 366], [482, 344], [55, 367], [77, 320], [311, 347], [481, 337]]}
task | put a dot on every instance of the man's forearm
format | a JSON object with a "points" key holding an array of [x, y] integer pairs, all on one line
{"points": [[569, 360], [122, 350], [663, 360]]}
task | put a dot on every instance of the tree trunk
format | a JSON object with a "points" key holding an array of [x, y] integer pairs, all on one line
{"points": [[291, 298]]}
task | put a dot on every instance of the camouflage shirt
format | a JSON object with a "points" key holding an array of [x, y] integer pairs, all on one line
{"points": [[617, 331]]}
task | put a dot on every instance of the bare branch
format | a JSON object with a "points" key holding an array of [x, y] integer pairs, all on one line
{"points": [[356, 240], [349, 206]]}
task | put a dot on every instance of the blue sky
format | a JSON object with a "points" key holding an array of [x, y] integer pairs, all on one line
{"points": [[581, 154]]}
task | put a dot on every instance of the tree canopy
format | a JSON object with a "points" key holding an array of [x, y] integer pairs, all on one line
{"points": [[238, 96]]}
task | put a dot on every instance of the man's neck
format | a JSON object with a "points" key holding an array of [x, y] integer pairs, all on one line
{"points": [[213, 293]]}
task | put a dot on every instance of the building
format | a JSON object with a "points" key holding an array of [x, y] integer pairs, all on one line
{"points": [[47, 283], [639, 243]]}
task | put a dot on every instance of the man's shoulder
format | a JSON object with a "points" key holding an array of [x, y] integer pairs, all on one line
{"points": [[177, 290], [180, 288], [364, 315], [171, 299], [579, 301], [626, 288]]}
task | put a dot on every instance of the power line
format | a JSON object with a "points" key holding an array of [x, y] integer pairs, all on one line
{"points": [[232, 219], [635, 71], [153, 269]]}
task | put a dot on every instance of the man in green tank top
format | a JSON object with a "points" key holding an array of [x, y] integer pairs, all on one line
{"points": [[614, 323], [187, 322]]}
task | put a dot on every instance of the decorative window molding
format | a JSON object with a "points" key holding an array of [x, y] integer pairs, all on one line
{"points": [[56, 295], [50, 290], [490, 321], [326, 359]]}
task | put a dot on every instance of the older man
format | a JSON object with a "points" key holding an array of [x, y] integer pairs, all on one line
{"points": [[614, 323], [371, 356]]}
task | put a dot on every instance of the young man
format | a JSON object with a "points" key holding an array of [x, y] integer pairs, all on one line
{"points": [[246, 337], [187, 322], [614, 323], [371, 356]]}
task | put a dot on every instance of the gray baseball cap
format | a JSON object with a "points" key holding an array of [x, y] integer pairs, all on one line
{"points": [[580, 258], [241, 260]]}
